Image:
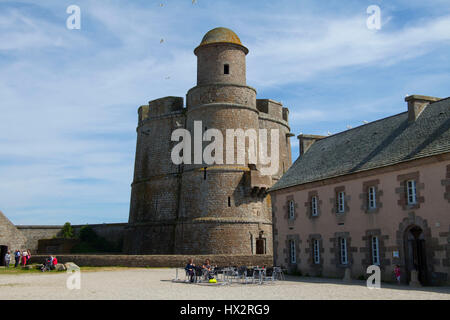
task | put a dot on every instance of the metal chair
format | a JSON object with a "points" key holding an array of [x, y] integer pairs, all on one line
{"points": [[268, 275], [249, 276], [258, 274], [279, 274], [230, 273], [186, 275]]}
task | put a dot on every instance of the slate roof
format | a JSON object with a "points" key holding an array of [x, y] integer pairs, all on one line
{"points": [[377, 144]]}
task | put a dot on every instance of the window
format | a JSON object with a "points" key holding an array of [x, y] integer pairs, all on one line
{"points": [[341, 202], [226, 69], [375, 251], [292, 254], [229, 201], [411, 191], [343, 250], [372, 200], [291, 209], [316, 251], [314, 211]]}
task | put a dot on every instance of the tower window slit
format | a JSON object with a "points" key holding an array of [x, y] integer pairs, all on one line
{"points": [[226, 69], [229, 201]]}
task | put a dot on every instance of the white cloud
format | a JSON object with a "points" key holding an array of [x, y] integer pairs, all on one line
{"points": [[308, 50]]}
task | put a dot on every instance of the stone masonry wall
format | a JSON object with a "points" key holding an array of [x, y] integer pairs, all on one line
{"points": [[34, 233], [9, 235], [160, 260], [113, 232]]}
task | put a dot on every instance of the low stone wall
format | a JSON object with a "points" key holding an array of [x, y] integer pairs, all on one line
{"points": [[57, 245], [113, 232], [34, 233], [107, 260]]}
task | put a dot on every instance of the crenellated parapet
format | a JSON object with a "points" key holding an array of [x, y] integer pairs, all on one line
{"points": [[161, 107], [271, 110]]}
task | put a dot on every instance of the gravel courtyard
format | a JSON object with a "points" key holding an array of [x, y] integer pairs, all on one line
{"points": [[141, 283]]}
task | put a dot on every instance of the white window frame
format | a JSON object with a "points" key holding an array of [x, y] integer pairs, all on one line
{"points": [[372, 197], [314, 211], [411, 192], [316, 251], [291, 209], [375, 251], [341, 202], [292, 252], [343, 250]]}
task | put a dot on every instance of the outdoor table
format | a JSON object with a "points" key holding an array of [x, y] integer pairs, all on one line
{"points": [[260, 273], [227, 273]]}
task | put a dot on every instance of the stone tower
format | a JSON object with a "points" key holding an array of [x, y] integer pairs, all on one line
{"points": [[196, 207]]}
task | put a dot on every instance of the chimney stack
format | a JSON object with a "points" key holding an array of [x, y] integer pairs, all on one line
{"points": [[416, 104], [306, 141]]}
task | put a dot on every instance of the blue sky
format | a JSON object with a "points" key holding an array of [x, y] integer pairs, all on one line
{"points": [[69, 98]]}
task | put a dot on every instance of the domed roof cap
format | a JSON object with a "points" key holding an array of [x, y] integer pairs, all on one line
{"points": [[221, 35]]}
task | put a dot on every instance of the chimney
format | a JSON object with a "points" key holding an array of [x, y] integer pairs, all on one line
{"points": [[416, 104], [306, 141]]}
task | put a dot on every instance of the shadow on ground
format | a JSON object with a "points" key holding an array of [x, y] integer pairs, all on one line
{"points": [[362, 283]]}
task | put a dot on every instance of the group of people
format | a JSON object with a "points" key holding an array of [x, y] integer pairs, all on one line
{"points": [[192, 269], [22, 257], [50, 264]]}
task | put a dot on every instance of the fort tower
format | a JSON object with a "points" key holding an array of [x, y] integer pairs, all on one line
{"points": [[200, 208]]}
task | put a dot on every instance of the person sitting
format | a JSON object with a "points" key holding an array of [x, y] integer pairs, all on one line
{"points": [[54, 263], [48, 264], [207, 270], [190, 270], [207, 265]]}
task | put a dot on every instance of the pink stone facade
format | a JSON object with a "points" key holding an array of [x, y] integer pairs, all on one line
{"points": [[414, 236]]}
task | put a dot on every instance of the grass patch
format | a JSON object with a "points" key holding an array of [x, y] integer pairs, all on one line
{"points": [[115, 268], [20, 270]]}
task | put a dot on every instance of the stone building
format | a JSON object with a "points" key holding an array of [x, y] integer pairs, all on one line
{"points": [[205, 208], [11, 238], [378, 194]]}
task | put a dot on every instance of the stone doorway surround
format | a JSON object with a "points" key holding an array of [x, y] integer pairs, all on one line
{"points": [[430, 245]]}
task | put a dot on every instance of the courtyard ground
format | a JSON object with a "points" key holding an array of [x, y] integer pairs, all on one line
{"points": [[149, 283]]}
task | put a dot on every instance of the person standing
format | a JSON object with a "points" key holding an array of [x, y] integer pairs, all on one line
{"points": [[397, 273], [7, 259], [24, 258], [28, 256], [17, 257]]}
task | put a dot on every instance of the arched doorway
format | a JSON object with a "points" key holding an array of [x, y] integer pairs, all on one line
{"points": [[3, 251], [415, 254], [261, 244]]}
